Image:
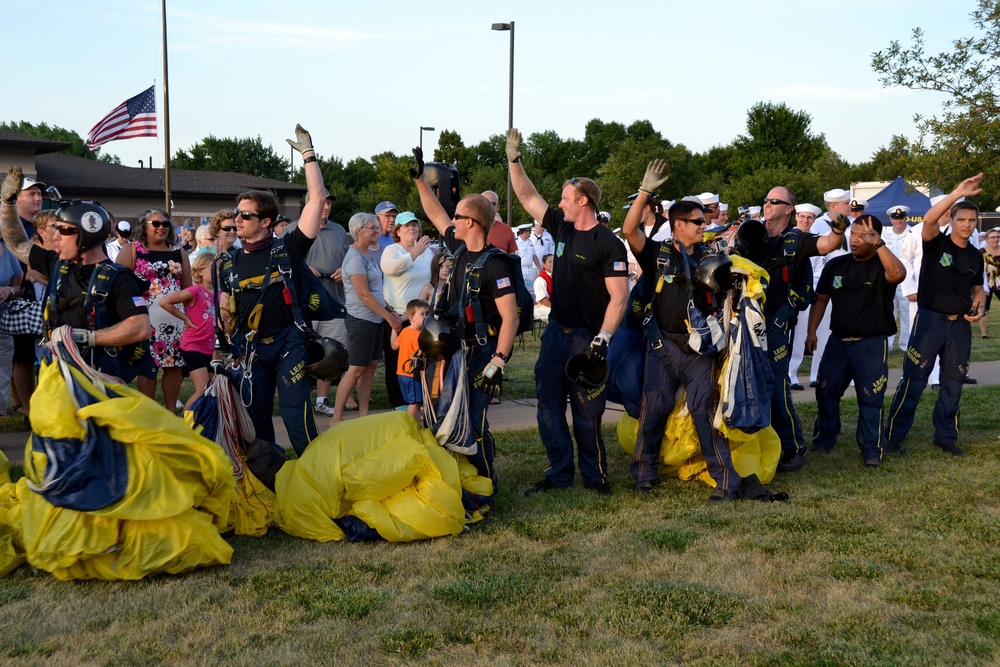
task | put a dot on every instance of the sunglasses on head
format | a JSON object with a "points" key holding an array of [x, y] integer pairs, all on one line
{"points": [[245, 215], [777, 202], [67, 231], [159, 223]]}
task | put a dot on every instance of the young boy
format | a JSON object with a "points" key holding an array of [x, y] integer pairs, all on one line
{"points": [[406, 342]]}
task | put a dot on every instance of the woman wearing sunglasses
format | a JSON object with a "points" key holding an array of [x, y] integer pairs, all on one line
{"points": [[222, 228], [155, 256]]}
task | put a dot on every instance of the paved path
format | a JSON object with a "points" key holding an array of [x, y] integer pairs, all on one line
{"points": [[520, 413]]}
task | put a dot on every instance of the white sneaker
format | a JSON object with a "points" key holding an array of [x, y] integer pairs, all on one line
{"points": [[322, 409]]}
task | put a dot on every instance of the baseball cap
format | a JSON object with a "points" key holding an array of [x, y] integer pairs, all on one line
{"points": [[385, 206], [405, 218], [28, 182]]}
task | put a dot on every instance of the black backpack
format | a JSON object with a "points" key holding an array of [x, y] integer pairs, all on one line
{"points": [[474, 277]]}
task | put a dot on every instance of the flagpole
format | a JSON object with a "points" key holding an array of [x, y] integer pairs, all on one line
{"points": [[166, 115]]}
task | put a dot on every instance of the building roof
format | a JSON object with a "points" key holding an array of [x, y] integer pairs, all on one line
{"points": [[38, 143], [74, 174]]}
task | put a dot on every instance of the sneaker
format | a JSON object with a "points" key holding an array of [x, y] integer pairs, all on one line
{"points": [[644, 487], [179, 406], [323, 409], [602, 488], [722, 496], [543, 486], [873, 462]]}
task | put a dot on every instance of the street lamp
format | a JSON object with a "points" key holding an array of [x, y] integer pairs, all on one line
{"points": [[422, 128], [510, 110]]}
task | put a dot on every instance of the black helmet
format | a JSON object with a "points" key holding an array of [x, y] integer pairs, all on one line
{"points": [[713, 273], [326, 358], [751, 240], [437, 339], [581, 369], [91, 219]]}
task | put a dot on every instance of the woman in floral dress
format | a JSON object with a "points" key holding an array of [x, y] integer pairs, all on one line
{"points": [[155, 256]]}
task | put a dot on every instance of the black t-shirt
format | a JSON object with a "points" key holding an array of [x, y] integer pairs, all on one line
{"points": [[947, 275], [123, 301], [670, 305], [860, 297], [497, 281], [249, 270], [582, 261], [780, 271]]}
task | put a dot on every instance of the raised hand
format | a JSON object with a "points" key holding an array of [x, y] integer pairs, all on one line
{"points": [[654, 177]]}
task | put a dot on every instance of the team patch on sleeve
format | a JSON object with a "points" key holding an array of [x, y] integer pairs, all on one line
{"points": [[620, 266], [138, 302], [503, 282]]}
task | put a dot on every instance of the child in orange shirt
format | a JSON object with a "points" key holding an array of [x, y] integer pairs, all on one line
{"points": [[406, 342]]}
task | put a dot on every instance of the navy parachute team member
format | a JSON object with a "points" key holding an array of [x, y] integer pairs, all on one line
{"points": [[100, 300], [488, 354], [784, 253], [860, 289], [670, 361], [258, 300], [949, 296], [589, 293]]}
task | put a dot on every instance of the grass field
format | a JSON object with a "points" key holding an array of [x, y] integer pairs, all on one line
{"points": [[896, 566]]}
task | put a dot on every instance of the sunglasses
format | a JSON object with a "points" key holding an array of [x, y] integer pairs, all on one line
{"points": [[459, 216], [694, 221], [228, 229], [67, 231], [245, 215], [159, 223], [777, 202], [898, 217], [857, 208]]}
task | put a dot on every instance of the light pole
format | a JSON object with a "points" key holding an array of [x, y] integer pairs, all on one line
{"points": [[422, 128], [510, 111]]}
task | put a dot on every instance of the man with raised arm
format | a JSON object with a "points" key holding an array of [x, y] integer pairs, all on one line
{"points": [[949, 297], [100, 300], [589, 293], [261, 293], [465, 236]]}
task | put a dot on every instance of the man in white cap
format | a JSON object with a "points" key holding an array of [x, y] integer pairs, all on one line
{"points": [[123, 231], [711, 203], [29, 202], [805, 216], [894, 238], [754, 212], [837, 201], [858, 207], [542, 240], [723, 218], [530, 264]]}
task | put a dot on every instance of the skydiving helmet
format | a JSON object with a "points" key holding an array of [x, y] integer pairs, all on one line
{"points": [[751, 240], [326, 358], [437, 339], [713, 273], [91, 219]]}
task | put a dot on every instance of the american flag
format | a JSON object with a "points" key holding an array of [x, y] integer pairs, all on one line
{"points": [[135, 117]]}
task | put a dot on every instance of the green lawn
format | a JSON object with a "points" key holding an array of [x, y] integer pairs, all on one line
{"points": [[894, 566]]}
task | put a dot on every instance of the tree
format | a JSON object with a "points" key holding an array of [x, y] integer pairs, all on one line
{"points": [[78, 145], [450, 149], [243, 156], [776, 135], [965, 138]]}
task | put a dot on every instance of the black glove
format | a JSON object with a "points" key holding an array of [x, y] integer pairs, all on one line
{"points": [[839, 223], [11, 185], [491, 379], [417, 170], [598, 350]]}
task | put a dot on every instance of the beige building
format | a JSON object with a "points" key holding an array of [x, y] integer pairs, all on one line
{"points": [[128, 191]]}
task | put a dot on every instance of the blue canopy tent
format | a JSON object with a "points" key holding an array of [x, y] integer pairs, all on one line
{"points": [[898, 193]]}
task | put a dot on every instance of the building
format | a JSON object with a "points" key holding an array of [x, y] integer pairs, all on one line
{"points": [[128, 191]]}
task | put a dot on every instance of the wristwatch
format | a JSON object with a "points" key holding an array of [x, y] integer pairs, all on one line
{"points": [[880, 244], [505, 357]]}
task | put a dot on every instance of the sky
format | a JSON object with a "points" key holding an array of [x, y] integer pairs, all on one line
{"points": [[363, 77]]}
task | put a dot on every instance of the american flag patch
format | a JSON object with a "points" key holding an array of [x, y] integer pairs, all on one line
{"points": [[138, 302], [620, 266], [503, 282]]}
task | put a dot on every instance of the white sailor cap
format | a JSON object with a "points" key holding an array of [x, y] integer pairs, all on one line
{"points": [[808, 208], [723, 206], [935, 200], [836, 195], [898, 211], [523, 228], [859, 203], [707, 198], [754, 209]]}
